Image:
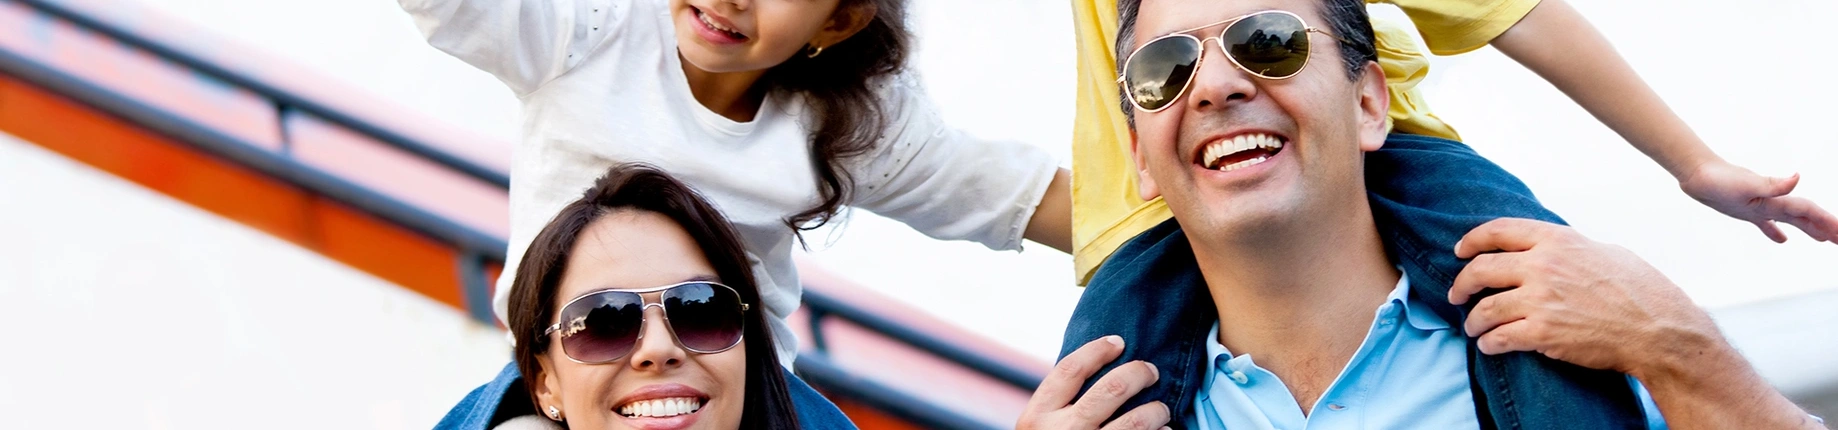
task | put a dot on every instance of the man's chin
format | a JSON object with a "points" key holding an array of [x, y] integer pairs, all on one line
{"points": [[1238, 219]]}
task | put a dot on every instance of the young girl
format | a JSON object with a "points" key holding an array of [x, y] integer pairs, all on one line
{"points": [[780, 111]]}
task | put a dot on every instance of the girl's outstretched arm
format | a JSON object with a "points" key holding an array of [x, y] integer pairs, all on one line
{"points": [[1051, 224], [1558, 44], [522, 43]]}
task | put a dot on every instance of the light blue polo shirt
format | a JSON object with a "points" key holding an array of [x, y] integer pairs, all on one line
{"points": [[1411, 372]]}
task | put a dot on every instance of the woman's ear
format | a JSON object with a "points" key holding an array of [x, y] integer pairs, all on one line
{"points": [[547, 387], [848, 20]]}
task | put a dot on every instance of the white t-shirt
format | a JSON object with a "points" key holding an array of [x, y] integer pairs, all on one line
{"points": [[601, 83]]}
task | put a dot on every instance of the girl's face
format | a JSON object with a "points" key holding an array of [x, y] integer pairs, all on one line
{"points": [[722, 36], [632, 249]]}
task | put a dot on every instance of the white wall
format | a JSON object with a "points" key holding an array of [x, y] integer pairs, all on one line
{"points": [[123, 308]]}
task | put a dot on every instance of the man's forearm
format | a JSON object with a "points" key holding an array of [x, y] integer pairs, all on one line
{"points": [[1558, 44], [1701, 382]]}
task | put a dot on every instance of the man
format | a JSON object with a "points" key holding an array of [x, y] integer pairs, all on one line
{"points": [[1266, 178]]}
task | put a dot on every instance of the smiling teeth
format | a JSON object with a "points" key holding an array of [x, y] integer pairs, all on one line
{"points": [[711, 23], [1243, 164], [656, 408], [1235, 145]]}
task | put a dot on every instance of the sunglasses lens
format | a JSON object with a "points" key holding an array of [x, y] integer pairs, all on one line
{"points": [[1158, 71], [706, 317], [609, 323], [1272, 45]]}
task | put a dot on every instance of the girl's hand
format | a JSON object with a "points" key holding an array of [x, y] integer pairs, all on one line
{"points": [[1758, 199]]}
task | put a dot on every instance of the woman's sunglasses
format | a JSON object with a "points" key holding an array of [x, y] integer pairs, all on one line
{"points": [[601, 327], [1272, 44]]}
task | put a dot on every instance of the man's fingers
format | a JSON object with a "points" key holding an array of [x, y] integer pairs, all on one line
{"points": [[1112, 389], [1152, 415], [1062, 384], [1772, 231], [1504, 234], [1495, 311], [1486, 271], [1514, 336]]}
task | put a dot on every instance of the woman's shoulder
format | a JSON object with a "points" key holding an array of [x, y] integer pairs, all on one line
{"points": [[528, 422], [483, 407]]}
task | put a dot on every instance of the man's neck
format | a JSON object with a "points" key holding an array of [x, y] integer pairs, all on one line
{"points": [[1299, 297]]}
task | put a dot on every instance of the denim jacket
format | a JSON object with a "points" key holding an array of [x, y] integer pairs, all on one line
{"points": [[1426, 193], [503, 399]]}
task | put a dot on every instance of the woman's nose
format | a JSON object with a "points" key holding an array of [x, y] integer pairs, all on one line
{"points": [[657, 349]]}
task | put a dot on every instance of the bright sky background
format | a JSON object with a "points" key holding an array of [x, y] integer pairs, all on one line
{"points": [[1754, 84]]}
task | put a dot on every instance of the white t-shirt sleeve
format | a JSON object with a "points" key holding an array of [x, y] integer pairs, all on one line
{"points": [[525, 43], [945, 182]]}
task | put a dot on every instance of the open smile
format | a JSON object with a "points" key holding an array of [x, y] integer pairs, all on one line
{"points": [[1239, 152], [662, 407], [716, 29]]}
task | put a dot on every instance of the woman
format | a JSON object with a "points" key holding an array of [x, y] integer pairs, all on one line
{"points": [[635, 307]]}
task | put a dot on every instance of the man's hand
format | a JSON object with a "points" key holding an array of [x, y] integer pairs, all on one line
{"points": [[1052, 406], [1758, 199], [1599, 306], [1573, 299]]}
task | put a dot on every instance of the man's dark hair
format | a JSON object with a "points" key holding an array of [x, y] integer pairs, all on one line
{"points": [[1345, 18]]}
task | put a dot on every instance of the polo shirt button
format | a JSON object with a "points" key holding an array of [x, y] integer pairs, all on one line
{"points": [[1238, 376], [1336, 407]]}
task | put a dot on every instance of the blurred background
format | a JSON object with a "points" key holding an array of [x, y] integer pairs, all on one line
{"points": [[219, 214]]}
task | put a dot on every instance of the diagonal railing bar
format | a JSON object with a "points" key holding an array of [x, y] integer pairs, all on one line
{"points": [[821, 304], [446, 159]]}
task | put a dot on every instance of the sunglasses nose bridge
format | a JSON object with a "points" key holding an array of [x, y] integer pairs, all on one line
{"points": [[663, 348]]}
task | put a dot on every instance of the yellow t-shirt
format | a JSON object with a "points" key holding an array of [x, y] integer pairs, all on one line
{"points": [[1106, 208]]}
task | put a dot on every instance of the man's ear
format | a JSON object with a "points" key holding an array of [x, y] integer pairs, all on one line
{"points": [[1374, 108], [1145, 185], [848, 20]]}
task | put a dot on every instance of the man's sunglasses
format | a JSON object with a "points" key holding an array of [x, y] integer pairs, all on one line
{"points": [[1272, 44], [601, 327]]}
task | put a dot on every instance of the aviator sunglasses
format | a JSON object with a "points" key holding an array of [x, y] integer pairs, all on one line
{"points": [[1272, 44], [604, 326]]}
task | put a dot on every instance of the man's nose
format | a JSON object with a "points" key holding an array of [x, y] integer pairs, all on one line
{"points": [[1218, 83], [658, 349]]}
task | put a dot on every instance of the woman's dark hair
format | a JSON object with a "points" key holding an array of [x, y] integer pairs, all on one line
{"points": [[838, 85], [645, 188]]}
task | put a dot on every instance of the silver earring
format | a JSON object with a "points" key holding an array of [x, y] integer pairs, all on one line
{"points": [[814, 50], [555, 414]]}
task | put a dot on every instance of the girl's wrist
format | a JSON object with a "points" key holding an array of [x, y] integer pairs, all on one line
{"points": [[1685, 168]]}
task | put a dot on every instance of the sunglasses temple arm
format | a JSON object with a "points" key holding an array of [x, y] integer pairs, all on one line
{"points": [[1326, 33]]}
